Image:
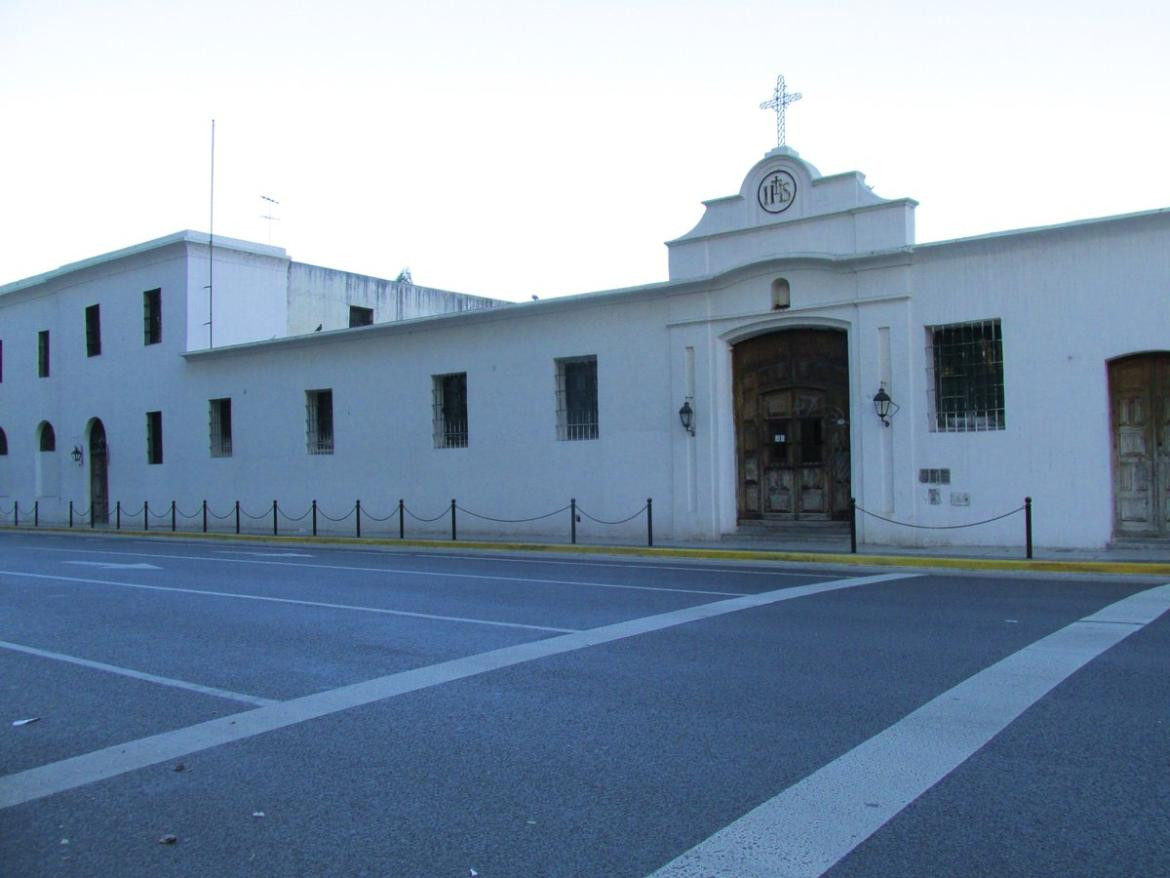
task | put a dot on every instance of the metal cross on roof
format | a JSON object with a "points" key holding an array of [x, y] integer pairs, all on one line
{"points": [[781, 98]]}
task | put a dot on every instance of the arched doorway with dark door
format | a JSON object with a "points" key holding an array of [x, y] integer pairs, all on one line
{"points": [[791, 391], [99, 477], [1139, 395]]}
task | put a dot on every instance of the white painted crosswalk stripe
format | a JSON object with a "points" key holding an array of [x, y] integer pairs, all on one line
{"points": [[46, 780], [806, 829]]}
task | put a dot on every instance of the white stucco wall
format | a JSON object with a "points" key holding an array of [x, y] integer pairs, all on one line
{"points": [[322, 297], [1069, 299]]}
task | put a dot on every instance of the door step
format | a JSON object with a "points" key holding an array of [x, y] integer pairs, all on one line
{"points": [[822, 533]]}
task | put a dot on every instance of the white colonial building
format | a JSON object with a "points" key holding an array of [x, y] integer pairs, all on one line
{"points": [[1026, 363]]}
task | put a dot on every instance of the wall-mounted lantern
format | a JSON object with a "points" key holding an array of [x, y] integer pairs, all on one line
{"points": [[77, 455], [885, 407], [686, 414]]}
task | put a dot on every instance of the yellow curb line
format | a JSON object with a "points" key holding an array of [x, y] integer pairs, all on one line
{"points": [[1149, 568]]}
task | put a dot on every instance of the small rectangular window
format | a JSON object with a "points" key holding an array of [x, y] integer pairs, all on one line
{"points": [[221, 427], [154, 441], [43, 353], [152, 316], [577, 398], [93, 331], [966, 386], [319, 417], [359, 316], [450, 409]]}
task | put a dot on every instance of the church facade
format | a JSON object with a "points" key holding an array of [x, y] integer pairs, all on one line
{"points": [[804, 351]]}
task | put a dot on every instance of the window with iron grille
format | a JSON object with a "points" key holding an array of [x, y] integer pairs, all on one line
{"points": [[359, 316], [221, 427], [966, 380], [152, 317], [93, 331], [319, 419], [576, 398], [154, 442], [449, 395], [43, 353]]}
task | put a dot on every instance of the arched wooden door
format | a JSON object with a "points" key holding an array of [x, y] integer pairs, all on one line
{"points": [[1140, 415], [99, 478], [792, 425]]}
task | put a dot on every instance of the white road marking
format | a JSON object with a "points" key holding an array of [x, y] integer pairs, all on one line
{"points": [[701, 565], [56, 777], [258, 597], [809, 827], [263, 554], [404, 572], [109, 565], [138, 675]]}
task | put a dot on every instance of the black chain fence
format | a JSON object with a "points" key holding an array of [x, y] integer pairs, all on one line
{"points": [[1026, 508], [121, 517]]}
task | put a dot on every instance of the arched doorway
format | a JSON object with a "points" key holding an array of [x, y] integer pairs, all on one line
{"points": [[99, 479], [792, 425], [48, 473], [1139, 392]]}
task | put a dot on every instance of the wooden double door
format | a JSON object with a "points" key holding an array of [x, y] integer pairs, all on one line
{"points": [[791, 411], [1140, 415]]}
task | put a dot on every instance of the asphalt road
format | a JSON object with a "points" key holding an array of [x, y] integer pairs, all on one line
{"points": [[285, 710]]}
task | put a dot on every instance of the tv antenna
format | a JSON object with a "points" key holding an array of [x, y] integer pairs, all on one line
{"points": [[271, 203]]}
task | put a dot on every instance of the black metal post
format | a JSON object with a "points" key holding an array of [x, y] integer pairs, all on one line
{"points": [[1028, 526], [452, 518], [853, 525], [649, 521], [172, 516], [357, 517], [573, 519], [314, 518], [274, 527], [118, 515], [401, 519], [36, 513], [205, 516], [237, 517], [146, 515], [71, 513]]}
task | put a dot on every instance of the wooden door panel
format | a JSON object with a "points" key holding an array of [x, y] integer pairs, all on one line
{"points": [[780, 491], [1141, 471], [791, 405]]}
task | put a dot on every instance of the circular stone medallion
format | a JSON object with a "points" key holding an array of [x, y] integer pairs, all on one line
{"points": [[777, 192]]}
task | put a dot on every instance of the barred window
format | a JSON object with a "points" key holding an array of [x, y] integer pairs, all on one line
{"points": [[221, 427], [576, 398], [966, 386], [449, 393], [319, 418], [154, 441], [152, 317], [93, 331], [43, 353]]}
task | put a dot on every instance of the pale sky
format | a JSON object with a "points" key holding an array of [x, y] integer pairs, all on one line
{"points": [[511, 148]]}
